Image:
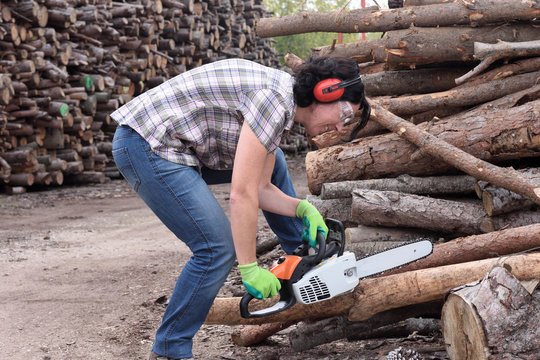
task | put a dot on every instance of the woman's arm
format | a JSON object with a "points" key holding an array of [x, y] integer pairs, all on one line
{"points": [[249, 165]]}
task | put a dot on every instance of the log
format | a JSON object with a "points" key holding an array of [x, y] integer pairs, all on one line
{"points": [[363, 233], [364, 248], [501, 130], [393, 209], [334, 208], [414, 287], [509, 179], [375, 295], [489, 53], [5, 170], [401, 82], [496, 318], [499, 201], [254, 334], [421, 46], [459, 97], [478, 247], [431, 185], [387, 322], [378, 20]]}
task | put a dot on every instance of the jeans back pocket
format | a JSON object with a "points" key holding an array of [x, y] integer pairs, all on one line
{"points": [[125, 166]]}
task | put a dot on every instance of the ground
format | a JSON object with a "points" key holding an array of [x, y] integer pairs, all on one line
{"points": [[86, 271]]}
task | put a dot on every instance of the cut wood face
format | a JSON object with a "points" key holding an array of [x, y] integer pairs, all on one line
{"points": [[325, 117]]}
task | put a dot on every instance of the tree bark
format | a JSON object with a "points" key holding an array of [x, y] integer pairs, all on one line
{"points": [[419, 81], [327, 330], [478, 247], [375, 295], [509, 179], [459, 97], [496, 318], [480, 12], [486, 131], [499, 201], [431, 185], [254, 334], [334, 208], [421, 46], [363, 233], [393, 209], [489, 53], [420, 286], [359, 159]]}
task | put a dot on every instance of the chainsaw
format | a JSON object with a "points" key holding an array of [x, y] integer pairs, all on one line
{"points": [[312, 275]]}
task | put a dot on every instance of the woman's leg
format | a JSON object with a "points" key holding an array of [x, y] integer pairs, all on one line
{"points": [[183, 202]]}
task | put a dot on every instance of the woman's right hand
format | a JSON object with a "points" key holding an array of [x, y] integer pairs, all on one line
{"points": [[259, 282]]}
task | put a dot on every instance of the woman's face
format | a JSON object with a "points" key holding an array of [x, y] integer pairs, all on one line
{"points": [[328, 117]]}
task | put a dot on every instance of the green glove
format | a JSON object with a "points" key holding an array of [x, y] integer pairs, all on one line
{"points": [[259, 282], [313, 221]]}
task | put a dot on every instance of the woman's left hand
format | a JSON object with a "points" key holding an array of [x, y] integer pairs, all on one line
{"points": [[313, 221]]}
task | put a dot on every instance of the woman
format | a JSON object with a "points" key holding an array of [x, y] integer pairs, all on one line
{"points": [[223, 122]]}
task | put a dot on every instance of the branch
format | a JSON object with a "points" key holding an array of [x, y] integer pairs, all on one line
{"points": [[489, 53], [506, 178]]}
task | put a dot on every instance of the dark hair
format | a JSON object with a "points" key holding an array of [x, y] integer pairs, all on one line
{"points": [[317, 68]]}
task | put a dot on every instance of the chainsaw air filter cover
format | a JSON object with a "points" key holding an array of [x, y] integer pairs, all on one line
{"points": [[333, 276]]}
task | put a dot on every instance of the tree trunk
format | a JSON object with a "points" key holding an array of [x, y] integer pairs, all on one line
{"points": [[499, 201], [489, 53], [401, 82], [478, 247], [431, 185], [334, 208], [327, 330], [363, 233], [508, 178], [459, 97], [421, 46], [393, 209], [498, 135], [480, 12], [420, 286], [496, 318], [254, 334], [375, 295]]}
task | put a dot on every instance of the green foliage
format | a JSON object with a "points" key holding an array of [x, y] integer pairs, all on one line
{"points": [[302, 44]]}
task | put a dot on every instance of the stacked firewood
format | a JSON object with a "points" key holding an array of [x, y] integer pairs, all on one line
{"points": [[451, 153], [66, 65]]}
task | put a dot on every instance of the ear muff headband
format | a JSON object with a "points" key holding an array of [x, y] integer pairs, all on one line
{"points": [[329, 90]]}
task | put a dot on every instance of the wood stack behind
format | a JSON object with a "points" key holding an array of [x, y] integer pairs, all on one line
{"points": [[66, 65]]}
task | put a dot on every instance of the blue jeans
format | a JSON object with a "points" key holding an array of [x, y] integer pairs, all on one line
{"points": [[179, 195]]}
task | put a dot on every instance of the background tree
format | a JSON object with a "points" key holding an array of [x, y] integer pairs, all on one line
{"points": [[302, 44]]}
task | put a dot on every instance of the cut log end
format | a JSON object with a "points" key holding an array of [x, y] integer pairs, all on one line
{"points": [[464, 336]]}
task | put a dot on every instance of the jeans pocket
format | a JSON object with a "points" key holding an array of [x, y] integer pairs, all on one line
{"points": [[125, 166]]}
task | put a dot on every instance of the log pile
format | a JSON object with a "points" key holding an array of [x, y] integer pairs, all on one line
{"points": [[66, 65], [451, 153]]}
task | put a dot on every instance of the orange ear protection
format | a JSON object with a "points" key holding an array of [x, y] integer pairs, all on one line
{"points": [[329, 90]]}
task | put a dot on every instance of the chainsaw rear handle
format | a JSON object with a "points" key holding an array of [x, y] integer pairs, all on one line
{"points": [[286, 301]]}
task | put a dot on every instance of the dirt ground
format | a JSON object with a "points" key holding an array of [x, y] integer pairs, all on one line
{"points": [[85, 272]]}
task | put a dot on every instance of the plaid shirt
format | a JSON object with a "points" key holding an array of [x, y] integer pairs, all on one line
{"points": [[195, 118]]}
